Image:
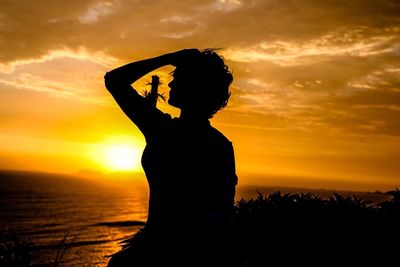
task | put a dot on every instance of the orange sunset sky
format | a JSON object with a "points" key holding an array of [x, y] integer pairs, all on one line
{"points": [[315, 99]]}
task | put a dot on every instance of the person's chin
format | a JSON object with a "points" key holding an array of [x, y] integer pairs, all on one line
{"points": [[173, 103]]}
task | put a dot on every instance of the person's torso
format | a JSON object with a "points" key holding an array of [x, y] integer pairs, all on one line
{"points": [[184, 165]]}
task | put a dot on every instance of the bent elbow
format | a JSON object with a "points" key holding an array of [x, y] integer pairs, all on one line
{"points": [[113, 80], [110, 81]]}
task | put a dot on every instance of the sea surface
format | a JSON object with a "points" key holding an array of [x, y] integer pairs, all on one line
{"points": [[85, 219], [93, 217]]}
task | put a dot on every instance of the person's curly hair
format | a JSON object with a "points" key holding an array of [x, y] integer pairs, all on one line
{"points": [[209, 79]]}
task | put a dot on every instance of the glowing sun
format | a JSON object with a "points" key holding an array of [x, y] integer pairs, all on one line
{"points": [[122, 157]]}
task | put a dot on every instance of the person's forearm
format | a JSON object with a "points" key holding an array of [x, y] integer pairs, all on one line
{"points": [[131, 72]]}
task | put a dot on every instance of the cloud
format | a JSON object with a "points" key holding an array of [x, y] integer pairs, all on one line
{"points": [[386, 79], [339, 95], [127, 28], [176, 19], [336, 44], [224, 5], [310, 76], [180, 34], [290, 58], [35, 83], [64, 73], [93, 14], [80, 54]]}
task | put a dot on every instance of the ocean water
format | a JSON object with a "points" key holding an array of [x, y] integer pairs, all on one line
{"points": [[91, 216], [44, 209]]}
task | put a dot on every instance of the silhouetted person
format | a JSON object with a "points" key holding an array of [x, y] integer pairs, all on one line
{"points": [[190, 166]]}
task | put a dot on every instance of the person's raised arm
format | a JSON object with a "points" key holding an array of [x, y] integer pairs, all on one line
{"points": [[118, 83], [129, 73]]}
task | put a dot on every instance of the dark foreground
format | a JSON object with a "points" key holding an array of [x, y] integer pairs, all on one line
{"points": [[292, 228], [305, 229]]}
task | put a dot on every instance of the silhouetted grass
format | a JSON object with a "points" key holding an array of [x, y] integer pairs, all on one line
{"points": [[289, 228], [296, 228], [16, 252]]}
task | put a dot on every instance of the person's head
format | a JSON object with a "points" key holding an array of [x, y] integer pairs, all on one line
{"points": [[201, 84]]}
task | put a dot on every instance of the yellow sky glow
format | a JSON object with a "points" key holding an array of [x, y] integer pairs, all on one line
{"points": [[315, 99], [117, 154]]}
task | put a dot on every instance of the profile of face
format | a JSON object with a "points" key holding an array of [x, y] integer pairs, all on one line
{"points": [[179, 94]]}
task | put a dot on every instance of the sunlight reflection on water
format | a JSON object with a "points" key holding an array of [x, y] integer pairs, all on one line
{"points": [[44, 209]]}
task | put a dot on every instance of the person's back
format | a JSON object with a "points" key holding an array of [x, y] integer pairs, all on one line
{"points": [[189, 165]]}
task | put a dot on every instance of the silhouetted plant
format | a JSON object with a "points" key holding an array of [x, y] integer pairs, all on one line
{"points": [[283, 225], [392, 206], [63, 247], [14, 252], [347, 202], [152, 95]]}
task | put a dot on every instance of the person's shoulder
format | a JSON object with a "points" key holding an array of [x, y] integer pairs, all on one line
{"points": [[164, 118], [161, 123], [167, 116], [219, 137]]}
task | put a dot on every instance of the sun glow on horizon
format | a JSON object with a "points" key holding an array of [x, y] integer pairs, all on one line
{"points": [[122, 157], [118, 153], [312, 104]]}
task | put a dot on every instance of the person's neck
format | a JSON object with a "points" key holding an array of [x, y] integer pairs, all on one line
{"points": [[192, 117]]}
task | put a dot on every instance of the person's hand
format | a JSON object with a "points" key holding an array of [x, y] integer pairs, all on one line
{"points": [[183, 56]]}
